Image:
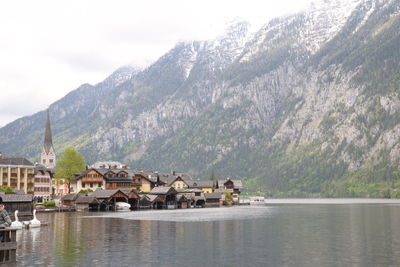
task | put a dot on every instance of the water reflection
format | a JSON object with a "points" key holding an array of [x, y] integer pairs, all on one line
{"points": [[278, 235]]}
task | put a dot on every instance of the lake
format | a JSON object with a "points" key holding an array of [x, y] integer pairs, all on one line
{"points": [[281, 233]]}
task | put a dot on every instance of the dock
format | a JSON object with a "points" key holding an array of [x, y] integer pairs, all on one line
{"points": [[8, 246]]}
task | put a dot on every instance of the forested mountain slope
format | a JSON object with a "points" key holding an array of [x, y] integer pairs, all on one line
{"points": [[308, 105]]}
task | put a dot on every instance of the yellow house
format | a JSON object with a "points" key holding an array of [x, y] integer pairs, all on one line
{"points": [[205, 185], [144, 182], [179, 183]]}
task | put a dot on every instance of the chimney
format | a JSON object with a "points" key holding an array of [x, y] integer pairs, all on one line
{"points": [[173, 173]]}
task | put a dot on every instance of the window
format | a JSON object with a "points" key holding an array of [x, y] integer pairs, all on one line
{"points": [[83, 185], [51, 160], [91, 185], [99, 185], [197, 194], [44, 161]]}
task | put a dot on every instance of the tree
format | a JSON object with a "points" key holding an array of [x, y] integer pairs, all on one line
{"points": [[71, 162], [213, 178]]}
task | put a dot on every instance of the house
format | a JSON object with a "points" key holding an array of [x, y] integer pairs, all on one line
{"points": [[195, 195], [21, 202], [69, 200], [145, 181], [176, 182], [107, 198], [163, 197], [83, 203], [232, 186], [17, 173], [43, 183], [206, 186], [213, 199], [133, 198], [145, 202], [183, 201], [93, 179], [180, 182]]}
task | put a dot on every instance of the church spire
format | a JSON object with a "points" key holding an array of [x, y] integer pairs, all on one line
{"points": [[48, 139], [48, 155]]}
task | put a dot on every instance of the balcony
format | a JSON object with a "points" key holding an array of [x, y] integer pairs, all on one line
{"points": [[92, 180], [136, 183]]}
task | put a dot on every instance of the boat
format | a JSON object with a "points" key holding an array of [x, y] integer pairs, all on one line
{"points": [[257, 200], [122, 206], [16, 224]]}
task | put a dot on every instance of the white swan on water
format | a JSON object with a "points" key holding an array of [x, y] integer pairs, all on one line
{"points": [[16, 224], [34, 222]]}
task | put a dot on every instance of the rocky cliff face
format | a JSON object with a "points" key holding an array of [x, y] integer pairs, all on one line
{"points": [[302, 106]]}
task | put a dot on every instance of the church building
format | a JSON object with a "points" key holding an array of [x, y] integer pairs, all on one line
{"points": [[44, 171]]}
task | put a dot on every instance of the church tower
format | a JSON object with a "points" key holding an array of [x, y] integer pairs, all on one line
{"points": [[48, 156]]}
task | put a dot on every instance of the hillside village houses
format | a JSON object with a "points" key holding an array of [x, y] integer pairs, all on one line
{"points": [[108, 182]]}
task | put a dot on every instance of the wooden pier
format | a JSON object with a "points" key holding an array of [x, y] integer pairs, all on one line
{"points": [[8, 246]]}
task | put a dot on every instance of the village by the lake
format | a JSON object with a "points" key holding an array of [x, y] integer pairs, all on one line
{"points": [[28, 188]]}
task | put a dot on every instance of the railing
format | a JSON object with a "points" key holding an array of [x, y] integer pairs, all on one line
{"points": [[8, 245], [92, 180]]}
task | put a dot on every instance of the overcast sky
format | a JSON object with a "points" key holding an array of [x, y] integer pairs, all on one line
{"points": [[49, 48]]}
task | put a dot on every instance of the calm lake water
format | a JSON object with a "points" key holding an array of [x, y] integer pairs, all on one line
{"points": [[281, 233]]}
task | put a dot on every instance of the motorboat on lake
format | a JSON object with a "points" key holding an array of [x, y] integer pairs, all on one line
{"points": [[257, 200], [122, 206]]}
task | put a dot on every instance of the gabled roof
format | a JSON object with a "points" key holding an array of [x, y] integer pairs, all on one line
{"points": [[42, 169], [70, 197], [189, 190], [167, 178], [153, 198], [18, 192], [130, 192], [212, 195], [99, 193], [199, 183], [15, 161], [79, 175], [183, 197], [9, 198], [162, 190], [86, 200], [236, 182]]}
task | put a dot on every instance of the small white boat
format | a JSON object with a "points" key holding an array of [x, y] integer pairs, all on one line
{"points": [[257, 200], [122, 206], [34, 222], [16, 224]]}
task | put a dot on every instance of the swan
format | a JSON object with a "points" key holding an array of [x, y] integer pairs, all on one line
{"points": [[16, 224], [34, 222]]}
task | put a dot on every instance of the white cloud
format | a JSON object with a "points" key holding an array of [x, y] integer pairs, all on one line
{"points": [[48, 48]]}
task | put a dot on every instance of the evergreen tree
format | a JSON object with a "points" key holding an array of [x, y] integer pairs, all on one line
{"points": [[213, 178]]}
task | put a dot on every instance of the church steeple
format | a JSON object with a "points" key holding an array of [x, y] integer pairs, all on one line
{"points": [[48, 156], [48, 139]]}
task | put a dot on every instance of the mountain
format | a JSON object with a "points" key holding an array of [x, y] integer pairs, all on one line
{"points": [[307, 106]]}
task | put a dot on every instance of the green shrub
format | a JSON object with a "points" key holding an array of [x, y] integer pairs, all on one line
{"points": [[49, 204], [6, 189]]}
